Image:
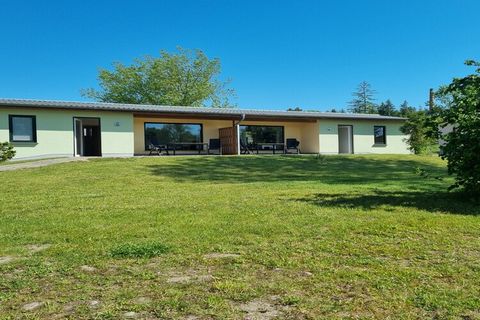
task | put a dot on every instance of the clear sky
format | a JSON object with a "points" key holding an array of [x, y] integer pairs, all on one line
{"points": [[278, 54]]}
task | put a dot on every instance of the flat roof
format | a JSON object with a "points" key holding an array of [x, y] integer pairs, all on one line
{"points": [[186, 111]]}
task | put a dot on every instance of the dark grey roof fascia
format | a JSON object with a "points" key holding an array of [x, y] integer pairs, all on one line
{"points": [[142, 108]]}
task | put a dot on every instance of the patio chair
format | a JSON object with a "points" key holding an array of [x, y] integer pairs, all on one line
{"points": [[244, 149], [292, 144], [214, 144], [156, 149]]}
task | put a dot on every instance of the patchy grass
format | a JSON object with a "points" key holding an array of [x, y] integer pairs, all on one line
{"points": [[138, 250], [229, 237]]}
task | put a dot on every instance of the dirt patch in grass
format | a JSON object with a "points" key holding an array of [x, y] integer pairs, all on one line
{"points": [[189, 276], [88, 268], [34, 248], [6, 259], [32, 306], [218, 255], [260, 309]]}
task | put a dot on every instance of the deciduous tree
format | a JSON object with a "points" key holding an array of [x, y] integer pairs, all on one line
{"points": [[186, 78]]}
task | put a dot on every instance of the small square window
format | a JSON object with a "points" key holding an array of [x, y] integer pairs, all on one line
{"points": [[22, 128], [380, 134]]}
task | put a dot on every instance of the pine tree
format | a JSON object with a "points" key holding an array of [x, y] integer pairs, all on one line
{"points": [[363, 99], [406, 109], [387, 108]]}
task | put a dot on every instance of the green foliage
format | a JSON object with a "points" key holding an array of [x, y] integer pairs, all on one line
{"points": [[417, 130], [456, 121], [387, 108], [363, 99], [187, 78], [134, 250], [405, 109], [6, 151], [295, 109]]}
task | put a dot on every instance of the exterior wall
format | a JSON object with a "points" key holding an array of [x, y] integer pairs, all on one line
{"points": [[210, 129], [305, 132], [55, 135], [363, 139]]}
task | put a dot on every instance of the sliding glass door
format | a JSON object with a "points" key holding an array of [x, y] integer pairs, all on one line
{"points": [[167, 133], [261, 134]]}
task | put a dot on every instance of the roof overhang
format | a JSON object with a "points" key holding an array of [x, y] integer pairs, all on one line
{"points": [[192, 112]]}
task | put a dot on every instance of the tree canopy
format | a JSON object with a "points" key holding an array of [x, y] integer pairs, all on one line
{"points": [[387, 108], [185, 78]]}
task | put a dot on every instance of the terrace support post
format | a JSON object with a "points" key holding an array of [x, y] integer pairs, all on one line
{"points": [[236, 126], [237, 130]]}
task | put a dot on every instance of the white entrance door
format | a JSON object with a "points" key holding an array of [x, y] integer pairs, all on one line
{"points": [[345, 139], [77, 132]]}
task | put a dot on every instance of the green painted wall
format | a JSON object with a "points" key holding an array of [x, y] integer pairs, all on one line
{"points": [[363, 139], [55, 132]]}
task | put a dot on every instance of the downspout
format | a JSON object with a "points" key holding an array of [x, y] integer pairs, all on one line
{"points": [[236, 124]]}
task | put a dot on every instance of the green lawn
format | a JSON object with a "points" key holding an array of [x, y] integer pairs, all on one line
{"points": [[304, 238]]}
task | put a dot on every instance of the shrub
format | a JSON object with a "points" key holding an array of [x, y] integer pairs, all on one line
{"points": [[416, 128], [460, 110], [6, 151]]}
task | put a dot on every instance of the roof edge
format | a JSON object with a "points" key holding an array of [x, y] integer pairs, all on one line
{"points": [[108, 106]]}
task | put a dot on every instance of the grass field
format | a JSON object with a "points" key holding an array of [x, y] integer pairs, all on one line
{"points": [[355, 237]]}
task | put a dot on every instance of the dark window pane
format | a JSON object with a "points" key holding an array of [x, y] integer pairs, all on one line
{"points": [[22, 128], [167, 133], [379, 134], [261, 134]]}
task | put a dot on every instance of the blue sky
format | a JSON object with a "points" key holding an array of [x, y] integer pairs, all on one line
{"points": [[278, 54]]}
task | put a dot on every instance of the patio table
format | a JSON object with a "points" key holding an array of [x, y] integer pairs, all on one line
{"points": [[272, 145], [174, 145]]}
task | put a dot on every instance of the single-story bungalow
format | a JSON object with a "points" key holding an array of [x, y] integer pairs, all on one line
{"points": [[41, 128]]}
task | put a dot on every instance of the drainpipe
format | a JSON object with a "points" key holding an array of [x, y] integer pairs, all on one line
{"points": [[236, 124]]}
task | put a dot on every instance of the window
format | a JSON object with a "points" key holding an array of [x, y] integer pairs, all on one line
{"points": [[380, 134], [165, 133], [261, 134], [22, 128]]}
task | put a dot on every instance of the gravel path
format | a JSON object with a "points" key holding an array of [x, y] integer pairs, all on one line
{"points": [[37, 164]]}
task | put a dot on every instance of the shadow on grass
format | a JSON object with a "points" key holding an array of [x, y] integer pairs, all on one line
{"points": [[331, 170], [453, 203]]}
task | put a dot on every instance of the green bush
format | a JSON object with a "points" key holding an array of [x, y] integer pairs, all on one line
{"points": [[6, 151], [459, 109], [418, 140]]}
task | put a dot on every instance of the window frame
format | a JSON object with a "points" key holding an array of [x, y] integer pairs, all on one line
{"points": [[268, 126], [34, 128], [384, 142], [175, 123]]}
